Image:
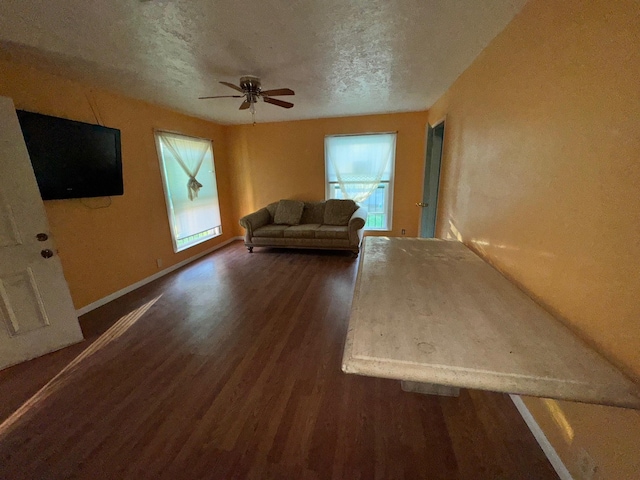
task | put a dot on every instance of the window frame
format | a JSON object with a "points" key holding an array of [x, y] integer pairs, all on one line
{"points": [[165, 186], [391, 181]]}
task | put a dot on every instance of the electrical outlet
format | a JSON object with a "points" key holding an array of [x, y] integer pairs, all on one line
{"points": [[586, 466], [403, 231], [159, 262]]}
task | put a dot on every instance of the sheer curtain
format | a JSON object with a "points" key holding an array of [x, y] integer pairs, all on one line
{"points": [[189, 153], [358, 163], [194, 211]]}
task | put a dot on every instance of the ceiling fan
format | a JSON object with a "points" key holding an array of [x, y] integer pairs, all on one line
{"points": [[251, 91]]}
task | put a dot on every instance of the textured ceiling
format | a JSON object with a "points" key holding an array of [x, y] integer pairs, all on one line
{"points": [[341, 57]]}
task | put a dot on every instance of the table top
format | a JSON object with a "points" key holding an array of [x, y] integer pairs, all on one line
{"points": [[432, 311]]}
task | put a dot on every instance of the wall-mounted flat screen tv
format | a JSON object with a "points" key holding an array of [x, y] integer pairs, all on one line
{"points": [[72, 159]]}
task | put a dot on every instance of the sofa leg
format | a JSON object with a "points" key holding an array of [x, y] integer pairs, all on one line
{"points": [[250, 249], [355, 254]]}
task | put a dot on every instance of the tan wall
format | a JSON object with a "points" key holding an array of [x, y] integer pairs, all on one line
{"points": [[106, 249], [286, 160], [541, 175]]}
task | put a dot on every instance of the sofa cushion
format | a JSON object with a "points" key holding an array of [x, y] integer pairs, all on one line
{"points": [[338, 212], [313, 212], [332, 231], [272, 210], [270, 231], [288, 212], [304, 230]]}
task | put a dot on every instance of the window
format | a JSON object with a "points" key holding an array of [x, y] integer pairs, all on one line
{"points": [[361, 167], [190, 188]]}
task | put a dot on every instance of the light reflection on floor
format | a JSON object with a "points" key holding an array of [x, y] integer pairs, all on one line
{"points": [[67, 373]]}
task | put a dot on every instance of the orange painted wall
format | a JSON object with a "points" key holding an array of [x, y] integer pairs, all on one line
{"points": [[541, 176], [272, 161], [106, 249]]}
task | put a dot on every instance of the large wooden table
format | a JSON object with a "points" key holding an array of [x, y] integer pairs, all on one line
{"points": [[434, 313]]}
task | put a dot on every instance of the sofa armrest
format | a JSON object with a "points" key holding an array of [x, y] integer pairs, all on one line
{"points": [[254, 221], [356, 225]]}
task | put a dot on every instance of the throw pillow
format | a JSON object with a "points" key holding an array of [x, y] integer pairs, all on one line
{"points": [[288, 212], [313, 212], [338, 212]]}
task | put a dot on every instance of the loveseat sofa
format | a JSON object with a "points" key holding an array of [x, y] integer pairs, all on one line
{"points": [[332, 224]]}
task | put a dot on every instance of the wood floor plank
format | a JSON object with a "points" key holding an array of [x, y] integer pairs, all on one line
{"points": [[233, 372]]}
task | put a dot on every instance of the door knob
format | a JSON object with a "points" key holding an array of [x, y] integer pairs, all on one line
{"points": [[46, 253], [42, 237], [420, 204]]}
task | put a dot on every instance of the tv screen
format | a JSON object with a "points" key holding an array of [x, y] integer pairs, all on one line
{"points": [[72, 159]]}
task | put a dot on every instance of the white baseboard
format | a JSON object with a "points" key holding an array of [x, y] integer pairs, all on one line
{"points": [[542, 439], [155, 276]]}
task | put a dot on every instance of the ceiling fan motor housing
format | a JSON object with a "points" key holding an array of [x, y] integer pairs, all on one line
{"points": [[250, 84]]}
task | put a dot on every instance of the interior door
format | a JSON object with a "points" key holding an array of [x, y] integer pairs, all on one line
{"points": [[37, 315], [429, 204]]}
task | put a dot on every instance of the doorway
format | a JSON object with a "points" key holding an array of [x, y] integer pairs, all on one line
{"points": [[433, 160]]}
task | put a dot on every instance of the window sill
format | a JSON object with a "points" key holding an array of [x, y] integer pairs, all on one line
{"points": [[182, 248]]}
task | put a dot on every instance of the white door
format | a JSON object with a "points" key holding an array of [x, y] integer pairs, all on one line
{"points": [[36, 312]]}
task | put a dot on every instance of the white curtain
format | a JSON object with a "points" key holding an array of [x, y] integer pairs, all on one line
{"points": [[189, 154], [358, 163], [194, 212]]}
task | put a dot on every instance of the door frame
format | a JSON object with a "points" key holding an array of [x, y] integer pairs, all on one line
{"points": [[425, 230]]}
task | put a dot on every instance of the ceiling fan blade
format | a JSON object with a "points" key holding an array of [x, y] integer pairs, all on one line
{"points": [[222, 96], [235, 87], [277, 102], [277, 92], [246, 104]]}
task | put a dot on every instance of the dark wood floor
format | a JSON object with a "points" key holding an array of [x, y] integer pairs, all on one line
{"points": [[233, 371]]}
